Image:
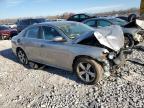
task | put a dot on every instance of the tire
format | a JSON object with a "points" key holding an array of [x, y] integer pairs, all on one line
{"points": [[128, 42], [91, 73], [22, 57]]}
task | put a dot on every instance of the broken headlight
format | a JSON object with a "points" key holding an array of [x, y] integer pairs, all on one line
{"points": [[111, 55]]}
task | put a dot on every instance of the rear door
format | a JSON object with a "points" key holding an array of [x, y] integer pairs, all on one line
{"points": [[32, 42]]}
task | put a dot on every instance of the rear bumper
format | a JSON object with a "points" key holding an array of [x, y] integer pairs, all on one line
{"points": [[14, 48]]}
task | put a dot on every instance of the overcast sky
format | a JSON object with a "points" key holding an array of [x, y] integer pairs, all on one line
{"points": [[30, 8]]}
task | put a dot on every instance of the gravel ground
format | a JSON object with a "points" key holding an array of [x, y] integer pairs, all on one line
{"points": [[22, 87]]}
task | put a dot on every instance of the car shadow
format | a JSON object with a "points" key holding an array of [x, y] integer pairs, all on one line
{"points": [[8, 54]]}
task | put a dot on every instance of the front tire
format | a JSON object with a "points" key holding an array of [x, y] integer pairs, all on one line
{"points": [[88, 70], [22, 57], [128, 42]]}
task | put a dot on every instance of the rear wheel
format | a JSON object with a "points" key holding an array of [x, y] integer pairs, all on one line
{"points": [[88, 70], [22, 57]]}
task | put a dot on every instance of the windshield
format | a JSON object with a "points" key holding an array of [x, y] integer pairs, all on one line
{"points": [[3, 28], [73, 29], [118, 21], [37, 20]]}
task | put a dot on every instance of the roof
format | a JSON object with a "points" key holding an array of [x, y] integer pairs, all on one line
{"points": [[55, 23]]}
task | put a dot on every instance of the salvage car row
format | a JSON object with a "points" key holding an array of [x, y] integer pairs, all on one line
{"points": [[91, 53], [132, 31], [92, 48]]}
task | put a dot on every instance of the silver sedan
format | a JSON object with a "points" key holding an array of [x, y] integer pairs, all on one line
{"points": [[71, 46]]}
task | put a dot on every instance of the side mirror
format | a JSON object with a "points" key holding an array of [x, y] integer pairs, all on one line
{"points": [[59, 39]]}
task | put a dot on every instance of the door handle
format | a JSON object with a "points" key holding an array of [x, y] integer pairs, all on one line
{"points": [[18, 40]]}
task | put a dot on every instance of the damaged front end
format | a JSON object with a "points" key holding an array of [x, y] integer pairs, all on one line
{"points": [[111, 39]]}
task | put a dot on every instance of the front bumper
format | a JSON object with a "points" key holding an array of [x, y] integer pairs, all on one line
{"points": [[115, 62]]}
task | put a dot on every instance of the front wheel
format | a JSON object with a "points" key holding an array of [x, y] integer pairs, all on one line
{"points": [[128, 41], [88, 70]]}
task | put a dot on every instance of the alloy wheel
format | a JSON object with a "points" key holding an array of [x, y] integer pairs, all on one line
{"points": [[86, 72], [22, 57]]}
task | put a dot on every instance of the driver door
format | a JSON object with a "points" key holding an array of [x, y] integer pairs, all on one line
{"points": [[53, 53]]}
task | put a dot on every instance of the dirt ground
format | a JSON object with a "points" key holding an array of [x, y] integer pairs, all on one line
{"points": [[22, 87]]}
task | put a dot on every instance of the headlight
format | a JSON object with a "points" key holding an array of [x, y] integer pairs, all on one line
{"points": [[111, 56], [105, 51]]}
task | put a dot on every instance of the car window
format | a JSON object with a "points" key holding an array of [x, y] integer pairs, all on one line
{"points": [[76, 17], [24, 22], [91, 23], [49, 33], [37, 21], [103, 23], [3, 28], [118, 21], [73, 29], [32, 32], [83, 16]]}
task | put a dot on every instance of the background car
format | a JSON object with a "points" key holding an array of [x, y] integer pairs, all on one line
{"points": [[82, 46], [6, 32], [129, 18], [123, 18], [80, 17], [12, 26], [104, 21], [130, 30], [23, 23]]}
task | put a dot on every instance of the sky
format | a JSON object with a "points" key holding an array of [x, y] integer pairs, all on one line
{"points": [[32, 8]]}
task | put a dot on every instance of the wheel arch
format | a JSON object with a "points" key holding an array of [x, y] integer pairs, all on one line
{"points": [[84, 56], [131, 37], [19, 48]]}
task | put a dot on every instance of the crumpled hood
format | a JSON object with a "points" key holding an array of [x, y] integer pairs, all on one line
{"points": [[111, 37]]}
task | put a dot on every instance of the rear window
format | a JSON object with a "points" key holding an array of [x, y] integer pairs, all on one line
{"points": [[118, 21]]}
